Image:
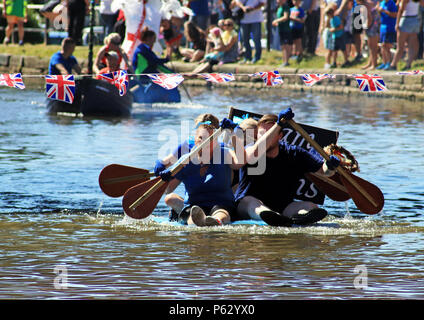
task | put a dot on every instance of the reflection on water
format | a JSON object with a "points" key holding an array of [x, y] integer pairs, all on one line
{"points": [[54, 217]]}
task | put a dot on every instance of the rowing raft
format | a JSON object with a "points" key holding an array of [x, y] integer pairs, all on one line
{"points": [[94, 98]]}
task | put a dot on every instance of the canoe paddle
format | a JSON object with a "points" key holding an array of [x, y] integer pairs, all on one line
{"points": [[367, 197], [332, 187], [140, 201], [116, 179]]}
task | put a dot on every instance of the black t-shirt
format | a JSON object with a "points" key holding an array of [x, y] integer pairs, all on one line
{"points": [[276, 187]]}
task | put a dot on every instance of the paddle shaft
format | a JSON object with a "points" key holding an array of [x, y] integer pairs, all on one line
{"points": [[174, 171], [128, 178], [339, 169]]}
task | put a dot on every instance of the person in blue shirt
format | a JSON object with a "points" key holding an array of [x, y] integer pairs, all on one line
{"points": [[337, 41], [63, 62], [297, 21], [207, 178], [270, 196], [144, 59], [388, 12]]}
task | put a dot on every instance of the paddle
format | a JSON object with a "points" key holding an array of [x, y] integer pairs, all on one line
{"points": [[332, 187], [116, 179], [140, 201], [367, 197]]}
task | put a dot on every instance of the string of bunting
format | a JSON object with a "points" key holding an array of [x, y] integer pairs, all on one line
{"points": [[62, 87]]}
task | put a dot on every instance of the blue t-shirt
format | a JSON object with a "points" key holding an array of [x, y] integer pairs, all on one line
{"points": [[276, 188], [296, 13], [388, 23], [68, 63], [214, 187], [335, 22]]}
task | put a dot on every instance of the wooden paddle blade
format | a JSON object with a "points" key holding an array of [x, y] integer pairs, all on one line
{"points": [[332, 187], [371, 204], [146, 208], [116, 179]]}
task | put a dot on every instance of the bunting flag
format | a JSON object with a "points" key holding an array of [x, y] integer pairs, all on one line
{"points": [[12, 80], [270, 78], [370, 83], [311, 79], [167, 81], [410, 73], [121, 81], [109, 77], [60, 87], [218, 77]]}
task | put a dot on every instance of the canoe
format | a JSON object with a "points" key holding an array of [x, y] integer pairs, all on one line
{"points": [[153, 93], [96, 98]]}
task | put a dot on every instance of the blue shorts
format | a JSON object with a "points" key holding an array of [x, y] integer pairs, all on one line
{"points": [[387, 37]]}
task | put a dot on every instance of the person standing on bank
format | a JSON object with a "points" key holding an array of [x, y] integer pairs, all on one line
{"points": [[285, 164], [15, 11], [251, 25], [77, 9]]}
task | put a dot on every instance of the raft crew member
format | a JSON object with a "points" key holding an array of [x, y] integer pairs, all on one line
{"points": [[209, 199], [111, 43], [178, 152], [285, 164], [144, 59], [63, 62], [112, 63]]}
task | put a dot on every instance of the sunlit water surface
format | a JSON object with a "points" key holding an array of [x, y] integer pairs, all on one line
{"points": [[56, 224]]}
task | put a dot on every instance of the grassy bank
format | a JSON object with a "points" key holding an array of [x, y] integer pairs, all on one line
{"points": [[269, 58]]}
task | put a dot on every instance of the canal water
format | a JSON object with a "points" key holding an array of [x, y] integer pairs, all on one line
{"points": [[62, 238]]}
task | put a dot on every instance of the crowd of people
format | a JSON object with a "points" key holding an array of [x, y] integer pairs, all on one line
{"points": [[223, 31]]}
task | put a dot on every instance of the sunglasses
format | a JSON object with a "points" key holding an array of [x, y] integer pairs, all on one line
{"points": [[228, 24]]}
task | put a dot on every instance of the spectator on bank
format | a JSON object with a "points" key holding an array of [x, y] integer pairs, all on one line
{"points": [[284, 32], [197, 38], [297, 21], [225, 50], [108, 16], [251, 25], [310, 35], [172, 38], [337, 42], [54, 10], [63, 62], [15, 12], [372, 32], [201, 14], [388, 12], [407, 29], [77, 9]]}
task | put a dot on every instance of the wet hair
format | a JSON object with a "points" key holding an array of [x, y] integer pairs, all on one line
{"points": [[207, 120], [267, 118], [146, 34], [248, 123]]}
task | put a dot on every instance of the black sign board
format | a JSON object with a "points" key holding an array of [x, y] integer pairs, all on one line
{"points": [[306, 190]]}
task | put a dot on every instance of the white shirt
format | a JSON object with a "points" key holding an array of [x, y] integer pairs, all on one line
{"points": [[411, 10]]}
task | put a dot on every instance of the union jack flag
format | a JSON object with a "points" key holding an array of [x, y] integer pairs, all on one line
{"points": [[218, 77], [167, 81], [109, 77], [121, 81], [369, 83], [12, 80], [311, 79], [60, 87], [271, 78], [410, 73]]}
